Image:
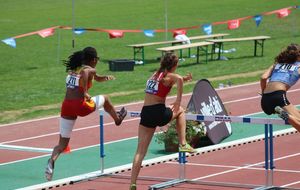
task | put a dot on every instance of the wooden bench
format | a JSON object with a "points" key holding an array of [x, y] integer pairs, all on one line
{"points": [[201, 46], [218, 43], [140, 48]]}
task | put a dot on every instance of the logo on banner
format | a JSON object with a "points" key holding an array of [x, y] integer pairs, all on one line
{"points": [[206, 101]]}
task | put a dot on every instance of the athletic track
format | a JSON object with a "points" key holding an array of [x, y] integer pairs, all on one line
{"points": [[221, 165]]}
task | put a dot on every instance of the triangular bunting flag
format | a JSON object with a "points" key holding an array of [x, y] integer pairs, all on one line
{"points": [[258, 19], [149, 33], [207, 29], [79, 31], [233, 24], [46, 32], [177, 32], [11, 42], [283, 13], [116, 34]]}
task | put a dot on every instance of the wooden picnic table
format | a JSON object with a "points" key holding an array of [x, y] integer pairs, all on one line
{"points": [[201, 46], [218, 43], [140, 48]]}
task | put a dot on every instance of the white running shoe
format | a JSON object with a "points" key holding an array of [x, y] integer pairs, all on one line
{"points": [[49, 170], [281, 113]]}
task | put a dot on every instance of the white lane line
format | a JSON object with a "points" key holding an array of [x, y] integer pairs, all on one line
{"points": [[290, 184], [243, 167], [260, 167], [57, 133], [25, 148]]}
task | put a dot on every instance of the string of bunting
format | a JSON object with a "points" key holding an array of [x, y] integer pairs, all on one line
{"points": [[116, 33]]}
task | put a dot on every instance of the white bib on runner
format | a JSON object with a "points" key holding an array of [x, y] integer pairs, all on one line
{"points": [[72, 81]]}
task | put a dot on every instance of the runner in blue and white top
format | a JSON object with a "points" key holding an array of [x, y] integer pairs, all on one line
{"points": [[286, 73], [277, 80]]}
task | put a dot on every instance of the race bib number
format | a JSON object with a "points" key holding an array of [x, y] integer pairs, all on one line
{"points": [[152, 86], [72, 81], [285, 67]]}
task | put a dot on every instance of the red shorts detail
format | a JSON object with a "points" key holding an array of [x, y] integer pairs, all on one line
{"points": [[77, 107]]}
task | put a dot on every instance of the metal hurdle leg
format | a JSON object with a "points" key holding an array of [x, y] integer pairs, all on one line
{"points": [[271, 154], [102, 155], [269, 157], [174, 182], [267, 154]]}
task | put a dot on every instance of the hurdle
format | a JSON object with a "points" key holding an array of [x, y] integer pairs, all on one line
{"points": [[268, 141]]}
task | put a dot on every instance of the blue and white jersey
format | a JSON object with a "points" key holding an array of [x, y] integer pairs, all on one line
{"points": [[286, 73]]}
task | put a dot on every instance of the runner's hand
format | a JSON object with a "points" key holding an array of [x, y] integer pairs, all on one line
{"points": [[110, 77], [175, 106], [188, 77]]}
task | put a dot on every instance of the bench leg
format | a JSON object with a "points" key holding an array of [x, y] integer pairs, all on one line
{"points": [[262, 47], [143, 55], [261, 44], [213, 51], [220, 46], [181, 54], [255, 47], [138, 50], [198, 52], [205, 50]]}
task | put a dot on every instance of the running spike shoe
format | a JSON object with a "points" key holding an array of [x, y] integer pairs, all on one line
{"points": [[133, 187], [121, 114], [186, 148], [281, 113], [49, 170]]}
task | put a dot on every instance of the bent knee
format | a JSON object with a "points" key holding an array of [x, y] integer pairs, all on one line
{"points": [[180, 111]]}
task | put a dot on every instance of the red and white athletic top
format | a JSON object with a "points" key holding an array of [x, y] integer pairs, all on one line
{"points": [[155, 86], [74, 80]]}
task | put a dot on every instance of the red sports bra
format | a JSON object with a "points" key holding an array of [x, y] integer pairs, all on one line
{"points": [[73, 80], [155, 86]]}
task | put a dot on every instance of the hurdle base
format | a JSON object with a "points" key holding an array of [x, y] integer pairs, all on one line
{"points": [[167, 184]]}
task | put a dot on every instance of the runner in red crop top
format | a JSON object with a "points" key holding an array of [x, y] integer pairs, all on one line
{"points": [[78, 102], [156, 86], [155, 112]]}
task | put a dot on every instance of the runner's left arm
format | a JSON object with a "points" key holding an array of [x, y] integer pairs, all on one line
{"points": [[175, 78], [264, 78], [100, 78]]}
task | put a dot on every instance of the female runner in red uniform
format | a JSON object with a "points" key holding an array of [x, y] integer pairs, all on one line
{"points": [[155, 113], [81, 72]]}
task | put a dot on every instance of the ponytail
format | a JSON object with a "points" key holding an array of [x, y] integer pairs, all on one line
{"points": [[168, 61], [75, 60], [290, 55]]}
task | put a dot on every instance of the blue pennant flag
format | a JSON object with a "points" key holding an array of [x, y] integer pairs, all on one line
{"points": [[207, 29], [149, 33], [258, 19], [79, 31], [298, 7], [11, 42]]}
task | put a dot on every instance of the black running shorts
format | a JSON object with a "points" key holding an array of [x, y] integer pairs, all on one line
{"points": [[270, 100], [155, 115]]}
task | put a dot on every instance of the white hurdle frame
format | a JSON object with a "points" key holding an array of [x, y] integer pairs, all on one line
{"points": [[269, 157]]}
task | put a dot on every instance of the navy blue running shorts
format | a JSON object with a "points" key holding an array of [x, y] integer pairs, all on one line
{"points": [[270, 100], [155, 115]]}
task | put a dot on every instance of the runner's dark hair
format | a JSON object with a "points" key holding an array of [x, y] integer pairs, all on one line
{"points": [[79, 58], [168, 61], [289, 55]]}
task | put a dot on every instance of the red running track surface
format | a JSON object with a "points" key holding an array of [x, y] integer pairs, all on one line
{"points": [[240, 100]]}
